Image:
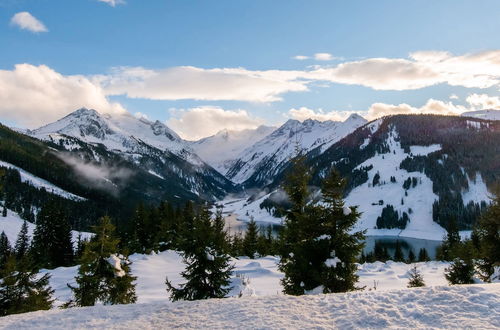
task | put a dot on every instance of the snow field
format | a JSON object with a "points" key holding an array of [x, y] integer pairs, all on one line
{"points": [[457, 307]]}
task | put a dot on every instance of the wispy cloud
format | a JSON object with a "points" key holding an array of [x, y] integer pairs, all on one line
{"points": [[26, 21], [113, 3]]}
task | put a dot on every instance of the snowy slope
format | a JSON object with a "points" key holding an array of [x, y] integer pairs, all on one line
{"points": [[121, 132], [468, 306], [41, 183], [367, 197], [483, 114], [264, 159], [251, 277], [12, 224], [221, 149]]}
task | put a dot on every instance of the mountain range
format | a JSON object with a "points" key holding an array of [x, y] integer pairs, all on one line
{"points": [[451, 162]]}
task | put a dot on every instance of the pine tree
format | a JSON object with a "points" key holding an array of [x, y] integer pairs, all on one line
{"points": [[208, 269], [5, 250], [52, 246], [344, 246], [411, 256], [423, 255], [488, 236], [398, 254], [460, 272], [251, 239], [4, 211], [21, 288], [317, 248], [416, 278], [22, 243], [103, 275], [448, 249]]}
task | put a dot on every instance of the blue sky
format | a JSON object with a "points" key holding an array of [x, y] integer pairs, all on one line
{"points": [[94, 45]]}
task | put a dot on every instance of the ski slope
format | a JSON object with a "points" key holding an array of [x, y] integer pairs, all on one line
{"points": [[457, 307]]}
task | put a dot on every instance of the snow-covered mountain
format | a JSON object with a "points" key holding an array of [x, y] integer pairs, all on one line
{"points": [[413, 172], [489, 114], [220, 150], [151, 146], [257, 164], [122, 132]]}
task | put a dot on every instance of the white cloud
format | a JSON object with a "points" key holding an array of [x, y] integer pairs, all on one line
{"points": [[199, 122], [304, 113], [35, 95], [432, 106], [483, 101], [26, 21], [377, 110], [323, 57], [113, 3], [187, 82], [421, 69], [454, 97], [301, 57]]}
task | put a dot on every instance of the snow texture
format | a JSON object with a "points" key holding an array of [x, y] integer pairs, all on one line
{"points": [[483, 114], [464, 307]]}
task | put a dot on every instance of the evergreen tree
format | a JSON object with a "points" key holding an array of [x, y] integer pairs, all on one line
{"points": [[21, 288], [22, 243], [317, 248], [411, 256], [4, 211], [398, 254], [52, 246], [488, 236], [207, 263], [251, 239], [448, 249], [460, 272], [5, 249], [423, 255], [103, 275], [416, 278]]}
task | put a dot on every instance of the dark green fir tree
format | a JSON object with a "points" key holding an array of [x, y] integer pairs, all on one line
{"points": [[251, 239], [22, 289], [23, 242], [103, 275], [5, 249], [208, 269], [52, 246]]}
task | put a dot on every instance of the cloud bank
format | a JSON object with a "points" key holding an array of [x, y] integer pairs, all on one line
{"points": [[200, 122]]}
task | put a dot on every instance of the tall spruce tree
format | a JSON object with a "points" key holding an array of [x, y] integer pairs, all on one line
{"points": [[22, 289], [5, 250], [23, 242], [487, 234], [339, 269], [52, 246], [208, 268], [251, 239], [423, 255], [317, 249], [103, 275]]}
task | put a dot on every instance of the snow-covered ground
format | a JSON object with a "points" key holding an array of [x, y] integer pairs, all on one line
{"points": [[41, 183], [12, 223], [251, 277], [457, 307]]}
